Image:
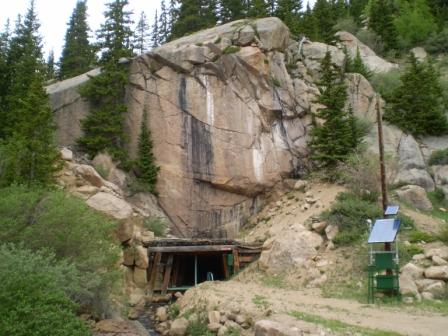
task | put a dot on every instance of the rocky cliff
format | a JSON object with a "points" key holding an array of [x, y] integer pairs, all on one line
{"points": [[229, 111]]}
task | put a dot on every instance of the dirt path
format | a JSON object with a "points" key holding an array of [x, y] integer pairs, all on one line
{"points": [[281, 302]]}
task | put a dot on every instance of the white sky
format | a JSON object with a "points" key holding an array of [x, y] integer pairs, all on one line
{"points": [[54, 15]]}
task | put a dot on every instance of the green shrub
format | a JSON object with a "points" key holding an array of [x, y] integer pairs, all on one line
{"points": [[443, 235], [437, 42], [386, 82], [347, 24], [407, 252], [198, 328], [350, 213], [156, 225], [71, 230], [173, 311], [438, 157], [418, 236], [231, 50], [372, 40], [34, 294], [232, 331]]}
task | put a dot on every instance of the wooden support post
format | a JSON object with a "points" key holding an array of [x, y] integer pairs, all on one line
{"points": [[195, 269], [236, 261], [166, 278], [381, 151], [155, 268], [224, 266], [176, 266]]}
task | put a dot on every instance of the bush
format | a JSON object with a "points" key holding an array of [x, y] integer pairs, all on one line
{"points": [[418, 236], [34, 294], [438, 157], [346, 24], [372, 40], [350, 214], [386, 82], [437, 42], [173, 311], [156, 225], [68, 228], [231, 50], [407, 252]]}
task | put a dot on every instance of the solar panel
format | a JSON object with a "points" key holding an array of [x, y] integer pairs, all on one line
{"points": [[391, 210], [384, 231]]}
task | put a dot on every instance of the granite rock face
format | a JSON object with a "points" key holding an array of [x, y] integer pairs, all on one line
{"points": [[229, 109]]}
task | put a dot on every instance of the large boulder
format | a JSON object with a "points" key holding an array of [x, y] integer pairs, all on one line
{"points": [[119, 327], [289, 250], [110, 205], [441, 177], [437, 272], [179, 327], [272, 328], [371, 60], [415, 196]]}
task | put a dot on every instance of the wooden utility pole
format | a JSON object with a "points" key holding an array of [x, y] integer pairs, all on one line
{"points": [[381, 150]]}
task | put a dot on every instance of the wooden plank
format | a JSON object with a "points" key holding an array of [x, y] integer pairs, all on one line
{"points": [[236, 261], [246, 259], [206, 248], [155, 267], [166, 278], [224, 266]]}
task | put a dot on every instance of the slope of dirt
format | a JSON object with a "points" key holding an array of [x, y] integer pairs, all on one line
{"points": [[278, 303]]}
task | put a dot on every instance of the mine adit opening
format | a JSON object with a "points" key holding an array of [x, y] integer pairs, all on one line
{"points": [[179, 264]]}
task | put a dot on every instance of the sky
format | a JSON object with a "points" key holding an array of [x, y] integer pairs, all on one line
{"points": [[54, 15]]}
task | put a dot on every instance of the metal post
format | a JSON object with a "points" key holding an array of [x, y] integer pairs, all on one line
{"points": [[195, 269], [381, 151]]}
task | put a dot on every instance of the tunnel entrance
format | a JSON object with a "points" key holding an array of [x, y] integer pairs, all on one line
{"points": [[179, 264]]}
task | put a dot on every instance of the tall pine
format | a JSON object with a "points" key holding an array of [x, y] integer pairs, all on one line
{"points": [[289, 11], [417, 105], [103, 127], [147, 169], [141, 35], [163, 23], [194, 15], [27, 151], [78, 55], [5, 37], [155, 36], [333, 137], [324, 21], [257, 8], [381, 21], [231, 10]]}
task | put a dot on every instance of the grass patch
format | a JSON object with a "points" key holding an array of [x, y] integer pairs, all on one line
{"points": [[340, 327], [231, 50], [260, 301], [198, 328], [275, 281], [173, 311], [274, 81], [438, 157], [416, 236], [156, 225]]}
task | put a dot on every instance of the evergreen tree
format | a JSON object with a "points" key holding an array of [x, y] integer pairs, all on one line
{"points": [[231, 10], [172, 17], [357, 66], [381, 21], [155, 36], [257, 9], [5, 37], [50, 66], [141, 36], [77, 54], [146, 166], [356, 10], [103, 127], [324, 20], [334, 139], [417, 105], [414, 22], [194, 15], [308, 24], [163, 23], [27, 152], [289, 11], [439, 9]]}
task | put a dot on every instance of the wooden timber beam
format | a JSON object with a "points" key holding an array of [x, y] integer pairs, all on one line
{"points": [[205, 248]]}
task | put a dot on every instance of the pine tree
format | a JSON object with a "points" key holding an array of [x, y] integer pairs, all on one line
{"points": [[357, 66], [289, 11], [78, 55], [50, 66], [163, 23], [231, 10], [5, 37], [146, 166], [172, 17], [141, 36], [356, 10], [439, 9], [155, 36], [417, 105], [257, 9], [324, 20], [27, 152], [103, 127], [194, 15], [308, 24], [333, 140], [381, 21]]}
